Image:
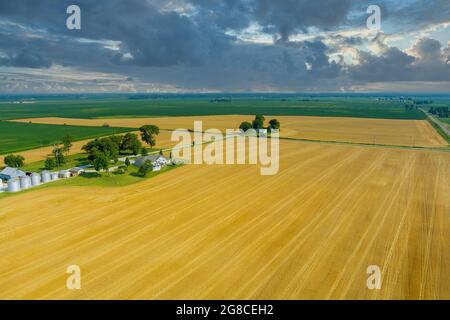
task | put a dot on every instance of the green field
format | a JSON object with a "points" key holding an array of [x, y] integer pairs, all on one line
{"points": [[124, 107], [75, 160], [16, 137]]}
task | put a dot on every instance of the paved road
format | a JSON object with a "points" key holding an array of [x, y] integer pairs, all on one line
{"points": [[438, 122]]}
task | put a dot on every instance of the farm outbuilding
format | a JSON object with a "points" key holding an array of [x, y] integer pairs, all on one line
{"points": [[11, 173]]}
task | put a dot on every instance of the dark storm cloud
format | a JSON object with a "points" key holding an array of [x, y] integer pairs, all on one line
{"points": [[428, 63], [231, 14], [288, 16], [152, 37], [28, 59], [281, 17], [418, 13], [188, 43]]}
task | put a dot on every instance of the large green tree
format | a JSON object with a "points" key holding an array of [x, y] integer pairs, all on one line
{"points": [[130, 142], [109, 146], [50, 163], [245, 126], [15, 161], [58, 153], [99, 160], [148, 134], [258, 123], [67, 143], [274, 124]]}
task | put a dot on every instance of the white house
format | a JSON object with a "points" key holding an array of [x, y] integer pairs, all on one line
{"points": [[157, 160]]}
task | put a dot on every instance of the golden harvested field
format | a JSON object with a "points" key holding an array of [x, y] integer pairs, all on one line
{"points": [[225, 232], [358, 130], [162, 141]]}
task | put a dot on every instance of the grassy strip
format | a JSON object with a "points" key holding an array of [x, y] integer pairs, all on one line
{"points": [[439, 130], [75, 160], [16, 136]]}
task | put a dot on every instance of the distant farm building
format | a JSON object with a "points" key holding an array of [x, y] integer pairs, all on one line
{"points": [[11, 173]]}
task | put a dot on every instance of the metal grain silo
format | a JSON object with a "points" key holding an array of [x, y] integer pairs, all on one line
{"points": [[13, 185], [45, 176], [35, 179], [54, 176], [25, 182]]}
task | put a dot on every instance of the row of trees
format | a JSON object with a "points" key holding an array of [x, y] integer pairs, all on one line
{"points": [[102, 151], [59, 152], [441, 112], [423, 102], [258, 123], [410, 107]]}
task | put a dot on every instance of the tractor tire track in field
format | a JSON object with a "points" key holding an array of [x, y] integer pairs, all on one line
{"points": [[280, 205], [89, 242], [199, 236], [310, 227], [377, 222], [222, 232]]}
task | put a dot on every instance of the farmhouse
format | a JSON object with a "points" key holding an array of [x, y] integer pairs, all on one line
{"points": [[157, 160], [11, 173]]}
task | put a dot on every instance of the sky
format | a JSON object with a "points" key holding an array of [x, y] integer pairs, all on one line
{"points": [[152, 46]]}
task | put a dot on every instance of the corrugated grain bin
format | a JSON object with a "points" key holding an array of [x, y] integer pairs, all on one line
{"points": [[25, 182], [35, 179], [45, 176], [13, 185], [54, 176]]}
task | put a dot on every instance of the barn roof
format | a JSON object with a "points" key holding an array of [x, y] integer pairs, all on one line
{"points": [[9, 172]]}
